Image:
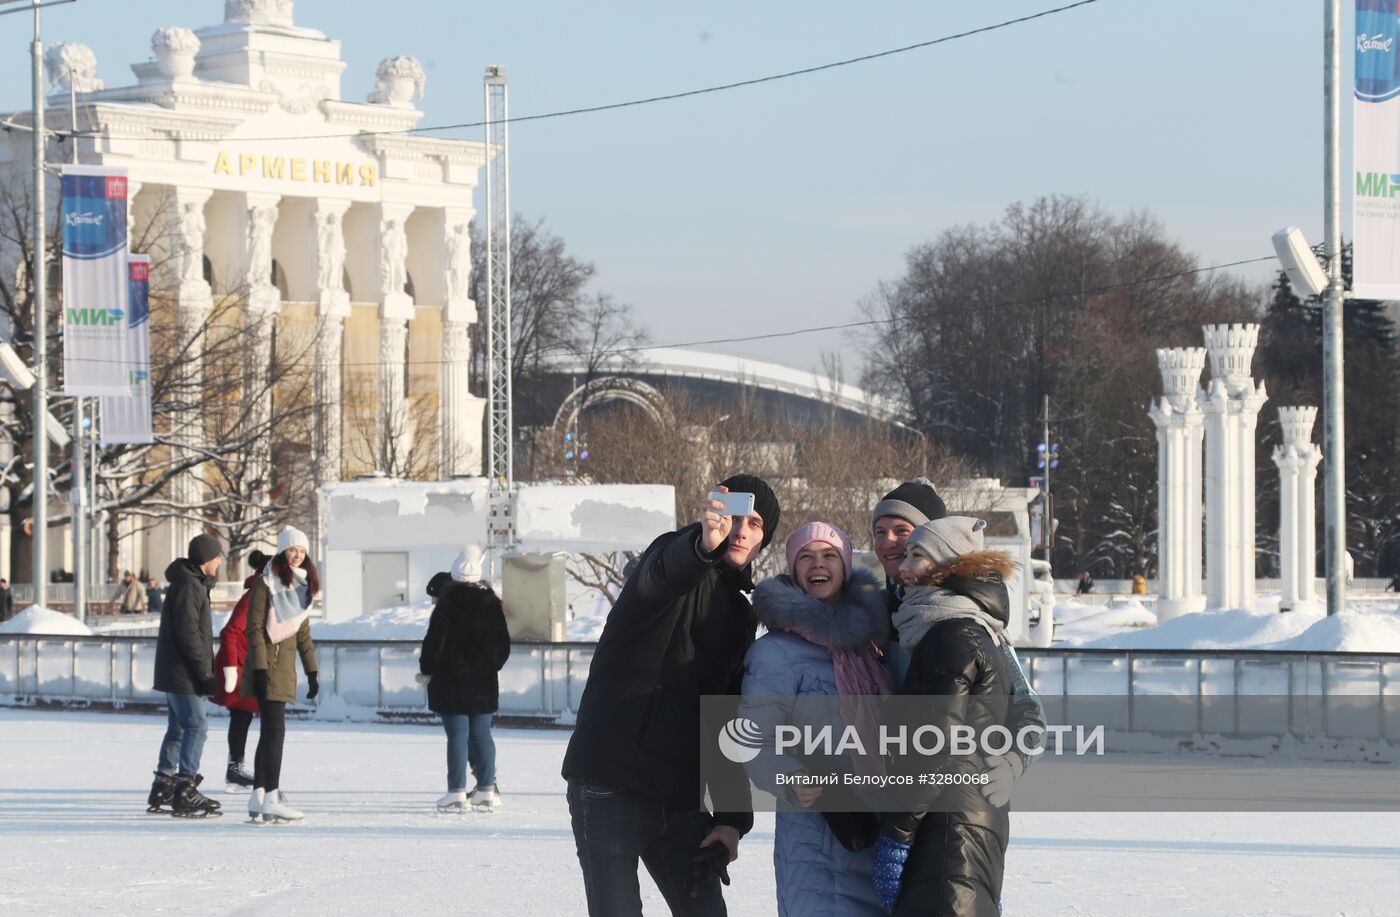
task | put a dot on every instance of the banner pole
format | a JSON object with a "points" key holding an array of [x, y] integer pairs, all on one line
{"points": [[39, 280], [1333, 422]]}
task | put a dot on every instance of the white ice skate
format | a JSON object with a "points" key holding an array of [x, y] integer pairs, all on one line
{"points": [[255, 804], [454, 801], [486, 799], [276, 810]]}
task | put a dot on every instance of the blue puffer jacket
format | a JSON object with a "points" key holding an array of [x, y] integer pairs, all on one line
{"points": [[816, 875]]}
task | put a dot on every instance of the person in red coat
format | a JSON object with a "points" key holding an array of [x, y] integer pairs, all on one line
{"points": [[233, 649]]}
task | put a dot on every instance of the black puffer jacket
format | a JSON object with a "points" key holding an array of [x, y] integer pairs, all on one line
{"points": [[959, 842], [185, 647], [680, 629], [466, 645]]}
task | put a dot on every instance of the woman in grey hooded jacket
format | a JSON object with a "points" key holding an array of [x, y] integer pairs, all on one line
{"points": [[825, 623]]}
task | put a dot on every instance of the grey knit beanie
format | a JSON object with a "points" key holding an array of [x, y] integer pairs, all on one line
{"points": [[948, 538]]}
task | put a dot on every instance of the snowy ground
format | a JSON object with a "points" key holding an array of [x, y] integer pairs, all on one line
{"points": [[74, 839]]}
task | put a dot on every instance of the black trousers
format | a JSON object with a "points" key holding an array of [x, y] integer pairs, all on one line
{"points": [[238, 723], [267, 759], [613, 829]]}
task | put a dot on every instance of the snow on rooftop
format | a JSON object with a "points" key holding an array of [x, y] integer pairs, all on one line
{"points": [[701, 364]]}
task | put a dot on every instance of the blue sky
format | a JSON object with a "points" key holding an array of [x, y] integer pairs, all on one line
{"points": [[780, 206]]}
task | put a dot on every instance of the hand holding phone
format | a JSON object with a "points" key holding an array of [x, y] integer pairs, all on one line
{"points": [[714, 523], [735, 504]]}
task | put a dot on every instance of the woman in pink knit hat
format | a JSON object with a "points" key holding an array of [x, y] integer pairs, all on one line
{"points": [[826, 621]]}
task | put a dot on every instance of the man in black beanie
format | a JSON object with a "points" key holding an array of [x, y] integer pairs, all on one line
{"points": [[185, 672], [679, 630]]}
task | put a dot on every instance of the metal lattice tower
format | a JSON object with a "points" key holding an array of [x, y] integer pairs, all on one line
{"points": [[498, 352]]}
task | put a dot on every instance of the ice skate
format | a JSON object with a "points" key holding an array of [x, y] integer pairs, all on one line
{"points": [[276, 810], [255, 804], [454, 801], [162, 794], [237, 777], [486, 799], [190, 802]]}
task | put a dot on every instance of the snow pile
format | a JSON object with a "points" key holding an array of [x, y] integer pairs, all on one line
{"points": [[1076, 624], [37, 620], [400, 622], [1349, 632], [585, 628]]}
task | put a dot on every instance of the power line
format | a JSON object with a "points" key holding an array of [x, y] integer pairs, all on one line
{"points": [[794, 332], [649, 100]]}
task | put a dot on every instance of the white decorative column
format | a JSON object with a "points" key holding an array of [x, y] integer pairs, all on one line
{"points": [[332, 308], [396, 308], [461, 411], [1179, 424], [1231, 404], [1297, 460], [185, 228], [263, 305]]}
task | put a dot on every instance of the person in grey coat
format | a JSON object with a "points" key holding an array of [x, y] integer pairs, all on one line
{"points": [[825, 623]]}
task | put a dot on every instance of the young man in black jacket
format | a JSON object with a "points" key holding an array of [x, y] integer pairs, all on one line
{"points": [[679, 630], [185, 672]]}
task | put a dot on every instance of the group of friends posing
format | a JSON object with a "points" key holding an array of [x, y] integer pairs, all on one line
{"points": [[684, 627], [253, 673]]}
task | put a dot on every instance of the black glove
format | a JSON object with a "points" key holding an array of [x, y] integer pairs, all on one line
{"points": [[855, 830], [313, 687], [711, 861], [209, 686], [260, 684]]}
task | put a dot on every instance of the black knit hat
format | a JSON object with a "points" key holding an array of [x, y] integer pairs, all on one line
{"points": [[257, 560], [439, 583], [915, 501], [765, 502], [204, 548]]}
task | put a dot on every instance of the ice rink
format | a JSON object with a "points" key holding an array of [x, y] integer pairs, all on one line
{"points": [[75, 839]]}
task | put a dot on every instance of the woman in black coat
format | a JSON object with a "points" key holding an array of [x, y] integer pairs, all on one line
{"points": [[466, 645]]}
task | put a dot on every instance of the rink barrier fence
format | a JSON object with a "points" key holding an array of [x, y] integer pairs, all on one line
{"points": [[1329, 695]]}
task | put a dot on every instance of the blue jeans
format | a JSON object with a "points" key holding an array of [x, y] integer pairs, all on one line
{"points": [[186, 728], [469, 741], [615, 828]]}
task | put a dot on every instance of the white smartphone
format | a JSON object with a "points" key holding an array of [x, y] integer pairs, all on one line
{"points": [[735, 504]]}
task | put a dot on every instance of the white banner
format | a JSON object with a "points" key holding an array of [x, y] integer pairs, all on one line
{"points": [[94, 281], [127, 419], [1376, 143]]}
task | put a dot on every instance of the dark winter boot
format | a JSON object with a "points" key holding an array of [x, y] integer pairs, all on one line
{"points": [[190, 802], [162, 793], [237, 777]]}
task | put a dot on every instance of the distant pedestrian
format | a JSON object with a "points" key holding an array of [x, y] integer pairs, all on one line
{"points": [[466, 645], [130, 595], [279, 627], [185, 673], [1139, 584], [1393, 587], [155, 597], [1086, 583], [7, 601], [233, 651]]}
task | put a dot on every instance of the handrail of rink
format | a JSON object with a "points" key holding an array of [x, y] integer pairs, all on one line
{"points": [[359, 679], [543, 682]]}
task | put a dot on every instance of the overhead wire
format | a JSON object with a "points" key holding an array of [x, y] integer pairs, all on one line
{"points": [[649, 100]]}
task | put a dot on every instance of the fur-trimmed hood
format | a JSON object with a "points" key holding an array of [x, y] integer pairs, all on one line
{"points": [[856, 617], [977, 565]]}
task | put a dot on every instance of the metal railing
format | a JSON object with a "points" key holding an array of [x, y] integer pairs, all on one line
{"points": [[1228, 693], [358, 678], [1234, 693]]}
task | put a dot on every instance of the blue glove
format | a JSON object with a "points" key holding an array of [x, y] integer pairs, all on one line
{"points": [[890, 857]]}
